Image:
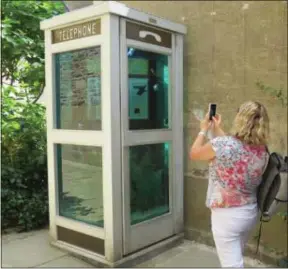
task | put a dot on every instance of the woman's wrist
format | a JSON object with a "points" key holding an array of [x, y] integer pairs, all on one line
{"points": [[204, 133], [205, 130]]}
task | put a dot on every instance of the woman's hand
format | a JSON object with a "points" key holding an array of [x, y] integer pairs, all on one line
{"points": [[205, 124], [217, 121], [217, 131]]}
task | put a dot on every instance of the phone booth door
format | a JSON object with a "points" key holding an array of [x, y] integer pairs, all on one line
{"points": [[147, 134]]}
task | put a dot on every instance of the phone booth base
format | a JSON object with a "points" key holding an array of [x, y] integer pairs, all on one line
{"points": [[114, 87], [128, 261]]}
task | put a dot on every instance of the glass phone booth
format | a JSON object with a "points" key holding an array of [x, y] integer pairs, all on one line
{"points": [[114, 82]]}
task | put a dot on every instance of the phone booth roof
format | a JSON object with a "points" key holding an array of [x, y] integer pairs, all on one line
{"points": [[112, 7]]}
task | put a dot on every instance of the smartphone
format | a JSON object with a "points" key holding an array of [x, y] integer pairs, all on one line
{"points": [[212, 111]]}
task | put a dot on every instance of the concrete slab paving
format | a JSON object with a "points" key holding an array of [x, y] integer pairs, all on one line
{"points": [[191, 254], [33, 250], [192, 258], [67, 262], [30, 250], [11, 236]]}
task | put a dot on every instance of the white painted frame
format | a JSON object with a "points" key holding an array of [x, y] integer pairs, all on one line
{"points": [[76, 137], [51, 153], [178, 134], [165, 225], [86, 42], [112, 147]]}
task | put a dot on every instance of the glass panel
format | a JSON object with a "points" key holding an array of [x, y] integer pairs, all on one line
{"points": [[149, 181], [80, 183], [148, 80], [78, 89]]}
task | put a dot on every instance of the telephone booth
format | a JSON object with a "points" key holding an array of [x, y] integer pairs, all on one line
{"points": [[114, 88]]}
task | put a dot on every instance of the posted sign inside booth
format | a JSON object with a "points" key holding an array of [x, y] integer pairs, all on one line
{"points": [[77, 31]]}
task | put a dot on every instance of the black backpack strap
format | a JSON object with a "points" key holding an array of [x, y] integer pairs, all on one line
{"points": [[262, 219], [281, 201], [259, 235], [267, 161], [276, 155]]}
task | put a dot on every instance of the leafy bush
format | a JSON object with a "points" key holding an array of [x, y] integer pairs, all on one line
{"points": [[24, 171], [23, 43], [24, 192]]}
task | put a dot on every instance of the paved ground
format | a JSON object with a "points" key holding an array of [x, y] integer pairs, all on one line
{"points": [[33, 250]]}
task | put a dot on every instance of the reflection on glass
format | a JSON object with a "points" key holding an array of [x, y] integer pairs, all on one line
{"points": [[149, 181], [78, 89], [148, 81], [80, 183]]}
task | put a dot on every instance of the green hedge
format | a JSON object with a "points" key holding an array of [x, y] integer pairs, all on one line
{"points": [[24, 191]]}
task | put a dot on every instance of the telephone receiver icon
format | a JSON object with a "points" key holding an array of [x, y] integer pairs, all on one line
{"points": [[144, 34]]}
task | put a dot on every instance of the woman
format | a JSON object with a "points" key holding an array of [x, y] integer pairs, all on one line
{"points": [[237, 162]]}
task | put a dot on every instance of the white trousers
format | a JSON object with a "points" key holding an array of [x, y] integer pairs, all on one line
{"points": [[231, 228]]}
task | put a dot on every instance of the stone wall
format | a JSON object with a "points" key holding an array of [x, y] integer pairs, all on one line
{"points": [[230, 45]]}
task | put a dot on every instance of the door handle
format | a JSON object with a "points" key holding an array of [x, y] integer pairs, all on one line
{"points": [[144, 34]]}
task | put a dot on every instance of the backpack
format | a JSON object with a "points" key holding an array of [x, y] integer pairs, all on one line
{"points": [[273, 189]]}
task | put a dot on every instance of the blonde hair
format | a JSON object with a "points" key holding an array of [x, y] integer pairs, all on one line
{"points": [[251, 124]]}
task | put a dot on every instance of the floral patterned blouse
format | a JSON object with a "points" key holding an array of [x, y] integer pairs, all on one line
{"points": [[235, 172]]}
